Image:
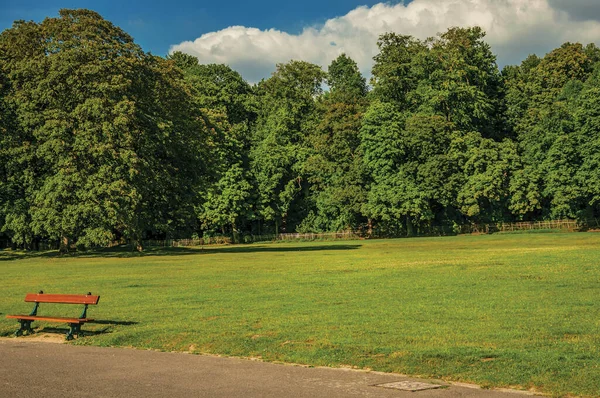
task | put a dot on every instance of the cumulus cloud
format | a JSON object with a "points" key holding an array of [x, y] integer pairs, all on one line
{"points": [[515, 29]]}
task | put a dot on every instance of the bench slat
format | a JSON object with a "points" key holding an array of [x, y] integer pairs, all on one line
{"points": [[61, 298], [50, 319]]}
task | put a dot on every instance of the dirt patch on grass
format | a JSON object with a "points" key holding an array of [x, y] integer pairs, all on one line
{"points": [[39, 337]]}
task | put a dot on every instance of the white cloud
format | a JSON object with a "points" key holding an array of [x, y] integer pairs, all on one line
{"points": [[515, 29]]}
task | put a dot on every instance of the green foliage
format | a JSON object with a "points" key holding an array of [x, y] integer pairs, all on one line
{"points": [[345, 81], [228, 200], [429, 145], [287, 103], [462, 81], [182, 60], [543, 99], [393, 193], [398, 68], [334, 162], [587, 124], [107, 143], [228, 111], [486, 169], [100, 141]]}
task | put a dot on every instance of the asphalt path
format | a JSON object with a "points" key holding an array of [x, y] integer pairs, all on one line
{"points": [[39, 369]]}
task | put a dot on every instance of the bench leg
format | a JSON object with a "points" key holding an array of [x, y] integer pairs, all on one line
{"points": [[72, 331], [25, 327], [74, 328]]}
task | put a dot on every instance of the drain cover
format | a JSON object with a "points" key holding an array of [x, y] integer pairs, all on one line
{"points": [[409, 386]]}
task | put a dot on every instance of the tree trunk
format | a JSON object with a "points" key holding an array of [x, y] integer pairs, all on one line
{"points": [[136, 244], [235, 236], [64, 244], [369, 227], [409, 226]]}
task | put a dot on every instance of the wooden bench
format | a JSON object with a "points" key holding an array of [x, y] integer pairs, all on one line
{"points": [[74, 323]]}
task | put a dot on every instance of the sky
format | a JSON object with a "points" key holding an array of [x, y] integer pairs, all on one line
{"points": [[253, 36]]}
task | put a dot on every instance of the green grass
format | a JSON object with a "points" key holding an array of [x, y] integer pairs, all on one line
{"points": [[500, 310]]}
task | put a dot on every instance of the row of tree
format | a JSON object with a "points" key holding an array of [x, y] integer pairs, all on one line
{"points": [[100, 141]]}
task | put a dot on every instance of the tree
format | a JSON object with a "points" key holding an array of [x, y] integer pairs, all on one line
{"points": [[542, 98], [397, 69], [392, 197], [440, 95], [227, 104], [517, 92], [334, 163], [183, 61], [462, 82], [114, 148], [286, 112], [345, 81], [228, 201], [15, 218], [485, 171], [587, 124]]}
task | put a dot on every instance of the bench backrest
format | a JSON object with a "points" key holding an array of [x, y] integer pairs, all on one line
{"points": [[62, 298]]}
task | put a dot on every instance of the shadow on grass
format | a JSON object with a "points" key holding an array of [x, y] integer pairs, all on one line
{"points": [[59, 330], [107, 322], [119, 252], [126, 252], [275, 249], [87, 332], [64, 330]]}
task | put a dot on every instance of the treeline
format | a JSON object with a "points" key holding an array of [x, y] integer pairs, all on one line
{"points": [[100, 141]]}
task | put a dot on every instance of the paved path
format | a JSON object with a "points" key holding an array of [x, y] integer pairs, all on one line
{"points": [[37, 369]]}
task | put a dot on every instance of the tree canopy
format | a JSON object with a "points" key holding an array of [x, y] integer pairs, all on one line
{"points": [[103, 142], [107, 142]]}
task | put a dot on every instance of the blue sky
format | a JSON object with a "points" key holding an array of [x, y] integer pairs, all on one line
{"points": [[156, 25], [253, 36]]}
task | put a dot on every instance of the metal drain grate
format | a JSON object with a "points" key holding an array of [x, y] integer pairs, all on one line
{"points": [[409, 386]]}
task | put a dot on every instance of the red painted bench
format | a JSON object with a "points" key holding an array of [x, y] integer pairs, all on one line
{"points": [[74, 323]]}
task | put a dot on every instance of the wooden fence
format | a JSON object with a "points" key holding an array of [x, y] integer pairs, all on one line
{"points": [[346, 235], [217, 240], [220, 240], [563, 225]]}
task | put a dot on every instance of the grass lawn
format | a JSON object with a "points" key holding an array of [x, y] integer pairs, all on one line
{"points": [[499, 310]]}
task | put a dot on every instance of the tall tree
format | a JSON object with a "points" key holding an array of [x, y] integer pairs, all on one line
{"points": [[440, 95], [334, 165], [227, 104], [485, 168], [542, 96], [345, 80], [114, 146], [587, 124], [380, 136], [15, 219], [462, 82], [286, 112], [398, 69]]}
